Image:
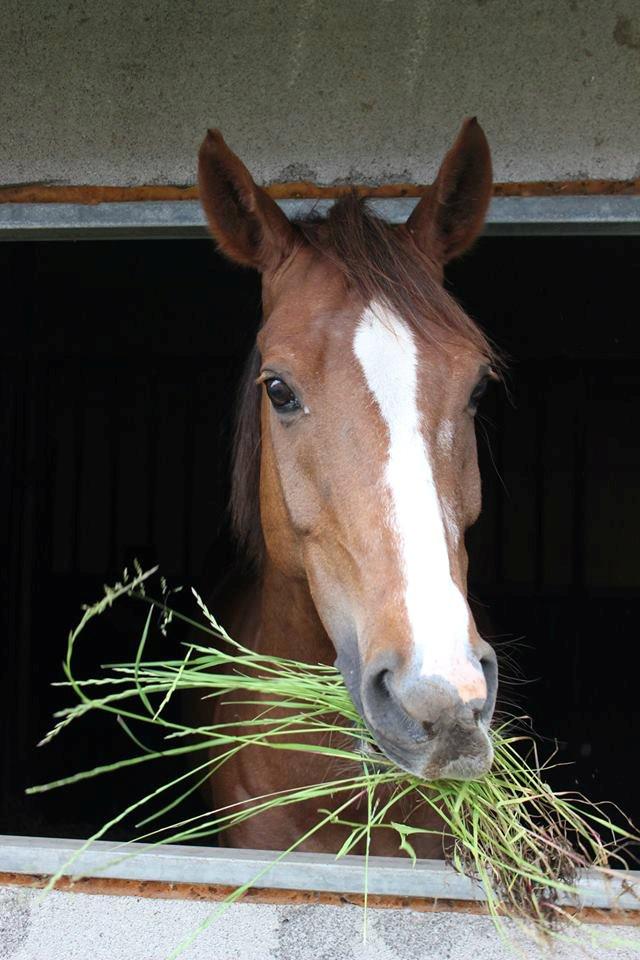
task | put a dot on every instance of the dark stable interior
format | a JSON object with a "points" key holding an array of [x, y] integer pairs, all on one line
{"points": [[120, 361]]}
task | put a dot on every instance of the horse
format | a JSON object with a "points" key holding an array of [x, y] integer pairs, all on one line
{"points": [[355, 476]]}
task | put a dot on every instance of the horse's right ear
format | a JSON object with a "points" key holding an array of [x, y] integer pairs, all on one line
{"points": [[247, 224]]}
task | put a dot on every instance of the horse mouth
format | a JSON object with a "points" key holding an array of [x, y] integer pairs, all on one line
{"points": [[372, 756], [468, 756]]}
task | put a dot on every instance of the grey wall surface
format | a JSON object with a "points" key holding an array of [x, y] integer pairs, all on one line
{"points": [[115, 92], [77, 926]]}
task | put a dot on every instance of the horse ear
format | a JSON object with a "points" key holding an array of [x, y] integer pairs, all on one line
{"points": [[451, 215], [247, 224]]}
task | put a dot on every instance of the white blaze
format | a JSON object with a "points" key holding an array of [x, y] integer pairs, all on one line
{"points": [[436, 610]]}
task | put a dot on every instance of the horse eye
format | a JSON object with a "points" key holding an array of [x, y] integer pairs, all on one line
{"points": [[478, 392], [281, 396]]}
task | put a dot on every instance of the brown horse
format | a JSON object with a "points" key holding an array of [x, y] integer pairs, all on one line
{"points": [[355, 473]]}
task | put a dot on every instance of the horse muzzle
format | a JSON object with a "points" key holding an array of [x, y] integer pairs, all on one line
{"points": [[423, 724]]}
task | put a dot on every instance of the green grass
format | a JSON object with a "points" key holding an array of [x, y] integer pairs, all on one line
{"points": [[522, 842]]}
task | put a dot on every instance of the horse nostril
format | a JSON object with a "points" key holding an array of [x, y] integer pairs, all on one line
{"points": [[489, 666], [428, 727], [477, 715], [386, 711], [382, 684]]}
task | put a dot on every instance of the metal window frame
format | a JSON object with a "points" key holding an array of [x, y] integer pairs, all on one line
{"points": [[429, 879], [508, 216], [320, 873]]}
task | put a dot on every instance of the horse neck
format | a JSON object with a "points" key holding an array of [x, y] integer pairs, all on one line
{"points": [[290, 626]]}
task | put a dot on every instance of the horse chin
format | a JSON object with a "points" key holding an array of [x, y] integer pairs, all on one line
{"points": [[429, 762]]}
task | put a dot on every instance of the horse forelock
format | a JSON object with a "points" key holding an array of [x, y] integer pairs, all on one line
{"points": [[383, 264]]}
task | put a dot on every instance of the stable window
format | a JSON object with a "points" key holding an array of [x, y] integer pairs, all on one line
{"points": [[120, 361]]}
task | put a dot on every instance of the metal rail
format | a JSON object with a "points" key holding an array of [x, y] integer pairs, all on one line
{"points": [[508, 216], [431, 879]]}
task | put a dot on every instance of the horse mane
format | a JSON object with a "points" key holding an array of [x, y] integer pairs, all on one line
{"points": [[383, 264]]}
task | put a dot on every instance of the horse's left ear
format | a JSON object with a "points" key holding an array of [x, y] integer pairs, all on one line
{"points": [[245, 221], [451, 215]]}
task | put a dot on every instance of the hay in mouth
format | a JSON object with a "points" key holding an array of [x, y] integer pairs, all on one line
{"points": [[523, 843]]}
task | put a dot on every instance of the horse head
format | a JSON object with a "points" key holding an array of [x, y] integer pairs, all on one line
{"points": [[364, 385]]}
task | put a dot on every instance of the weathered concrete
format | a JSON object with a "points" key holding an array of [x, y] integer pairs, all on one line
{"points": [[358, 90], [76, 926]]}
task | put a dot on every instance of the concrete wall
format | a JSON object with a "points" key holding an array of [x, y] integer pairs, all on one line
{"points": [[76, 926], [120, 92]]}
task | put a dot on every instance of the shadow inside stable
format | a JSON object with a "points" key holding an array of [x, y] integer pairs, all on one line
{"points": [[120, 362]]}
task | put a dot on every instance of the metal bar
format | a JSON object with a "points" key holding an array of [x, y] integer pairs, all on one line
{"points": [[508, 216], [432, 879]]}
